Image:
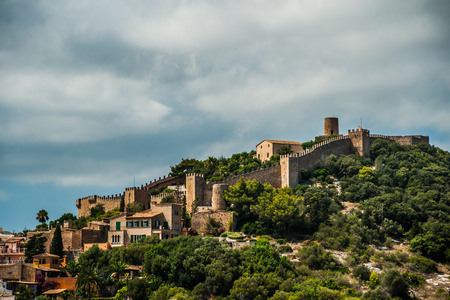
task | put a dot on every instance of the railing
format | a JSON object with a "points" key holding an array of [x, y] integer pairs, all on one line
{"points": [[10, 262], [12, 251]]}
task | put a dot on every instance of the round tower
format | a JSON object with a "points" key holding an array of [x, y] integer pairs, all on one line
{"points": [[218, 203], [331, 126]]}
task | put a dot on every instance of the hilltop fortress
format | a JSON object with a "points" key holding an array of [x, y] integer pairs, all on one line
{"points": [[206, 197]]}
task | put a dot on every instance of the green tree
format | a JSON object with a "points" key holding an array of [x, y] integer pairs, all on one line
{"points": [[247, 288], [24, 293], [122, 205], [42, 216], [135, 207], [137, 289], [72, 267], [185, 166], [280, 207], [57, 243], [88, 281], [286, 149], [97, 210], [117, 267], [35, 245]]}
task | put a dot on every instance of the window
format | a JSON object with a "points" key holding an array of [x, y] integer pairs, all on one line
{"points": [[144, 223], [157, 223], [136, 223], [267, 155], [117, 225], [130, 224], [176, 213], [166, 225], [176, 226]]}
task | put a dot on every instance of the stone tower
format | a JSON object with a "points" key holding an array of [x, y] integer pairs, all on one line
{"points": [[331, 126], [218, 203]]}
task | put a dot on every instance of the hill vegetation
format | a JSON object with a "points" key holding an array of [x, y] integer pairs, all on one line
{"points": [[355, 228]]}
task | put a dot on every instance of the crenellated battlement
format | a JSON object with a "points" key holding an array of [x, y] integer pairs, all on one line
{"points": [[286, 173]]}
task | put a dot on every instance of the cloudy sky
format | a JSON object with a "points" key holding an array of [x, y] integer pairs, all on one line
{"points": [[95, 95]]}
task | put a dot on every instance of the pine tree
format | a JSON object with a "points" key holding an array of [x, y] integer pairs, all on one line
{"points": [[122, 205], [57, 243]]}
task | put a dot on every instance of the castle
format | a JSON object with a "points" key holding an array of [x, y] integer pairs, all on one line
{"points": [[206, 197]]}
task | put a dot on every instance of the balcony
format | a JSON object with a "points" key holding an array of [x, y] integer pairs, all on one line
{"points": [[13, 251], [7, 262]]}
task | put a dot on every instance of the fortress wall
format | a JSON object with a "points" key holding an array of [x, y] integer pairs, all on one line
{"points": [[402, 140], [165, 182], [85, 204], [293, 164], [200, 219], [410, 139], [270, 175]]}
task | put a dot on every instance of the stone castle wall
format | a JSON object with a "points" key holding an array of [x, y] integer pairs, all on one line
{"points": [[132, 194], [200, 219], [293, 164], [270, 175]]}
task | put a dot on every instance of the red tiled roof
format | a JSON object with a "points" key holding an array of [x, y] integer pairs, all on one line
{"points": [[281, 142], [145, 214]]}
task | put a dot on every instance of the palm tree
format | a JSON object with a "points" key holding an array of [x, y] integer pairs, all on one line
{"points": [[88, 281], [117, 267], [72, 267], [42, 216]]}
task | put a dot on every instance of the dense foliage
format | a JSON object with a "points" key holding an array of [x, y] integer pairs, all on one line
{"points": [[403, 192], [218, 168]]}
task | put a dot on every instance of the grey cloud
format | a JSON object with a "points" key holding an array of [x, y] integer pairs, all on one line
{"points": [[111, 89]]}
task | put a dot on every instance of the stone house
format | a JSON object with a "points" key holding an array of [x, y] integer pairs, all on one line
{"points": [[268, 148], [46, 265], [163, 220]]}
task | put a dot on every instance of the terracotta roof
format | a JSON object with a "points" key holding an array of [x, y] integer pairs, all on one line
{"points": [[145, 214], [99, 223], [53, 292], [119, 215], [281, 142], [46, 255]]}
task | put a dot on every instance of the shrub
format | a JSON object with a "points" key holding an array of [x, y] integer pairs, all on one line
{"points": [[361, 272], [286, 249], [422, 264]]}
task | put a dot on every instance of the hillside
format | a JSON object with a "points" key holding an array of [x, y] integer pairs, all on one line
{"points": [[355, 228]]}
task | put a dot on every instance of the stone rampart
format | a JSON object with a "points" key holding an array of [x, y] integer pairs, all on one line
{"points": [[270, 175], [200, 219], [293, 164], [131, 194], [85, 204]]}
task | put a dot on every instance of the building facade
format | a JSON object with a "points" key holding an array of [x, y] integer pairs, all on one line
{"points": [[268, 148], [162, 220]]}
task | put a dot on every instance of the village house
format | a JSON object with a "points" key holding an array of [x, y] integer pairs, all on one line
{"points": [[163, 220], [12, 250], [44, 264]]}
